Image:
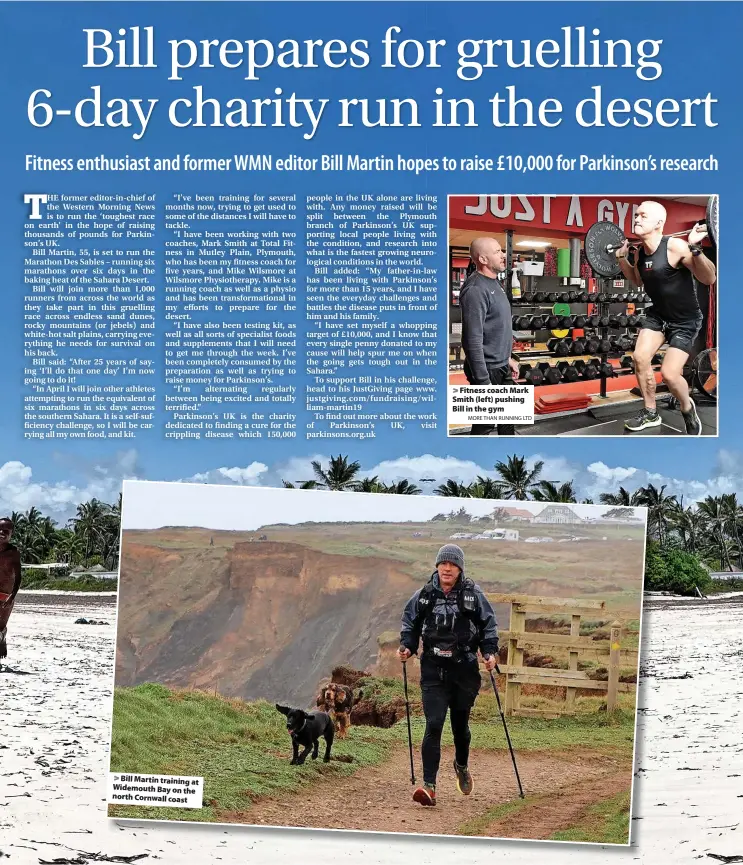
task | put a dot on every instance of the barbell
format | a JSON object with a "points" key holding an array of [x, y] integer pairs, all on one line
{"points": [[603, 239]]}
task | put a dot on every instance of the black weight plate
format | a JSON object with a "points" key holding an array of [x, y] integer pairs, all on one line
{"points": [[712, 219], [706, 370], [598, 237]]}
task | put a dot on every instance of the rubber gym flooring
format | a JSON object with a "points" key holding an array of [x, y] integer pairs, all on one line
{"points": [[609, 421]]}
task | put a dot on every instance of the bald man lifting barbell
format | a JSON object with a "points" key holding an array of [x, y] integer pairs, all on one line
{"points": [[663, 267]]}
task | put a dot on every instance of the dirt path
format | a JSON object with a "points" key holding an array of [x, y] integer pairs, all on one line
{"points": [[378, 798]]}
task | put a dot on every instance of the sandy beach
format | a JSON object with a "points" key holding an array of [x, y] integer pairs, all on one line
{"points": [[56, 694]]}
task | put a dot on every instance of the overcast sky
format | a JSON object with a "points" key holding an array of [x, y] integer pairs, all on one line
{"points": [[152, 504]]}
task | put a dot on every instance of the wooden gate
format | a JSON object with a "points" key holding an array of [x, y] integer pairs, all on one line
{"points": [[571, 679]]}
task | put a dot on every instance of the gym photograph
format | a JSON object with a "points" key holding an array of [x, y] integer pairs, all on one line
{"points": [[340, 660], [606, 305]]}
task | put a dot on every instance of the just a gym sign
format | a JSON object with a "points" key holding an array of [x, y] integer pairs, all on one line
{"points": [[559, 214]]}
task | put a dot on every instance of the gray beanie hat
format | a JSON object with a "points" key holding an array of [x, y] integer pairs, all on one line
{"points": [[451, 553]]}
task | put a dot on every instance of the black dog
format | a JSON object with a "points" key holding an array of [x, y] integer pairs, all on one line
{"points": [[305, 728]]}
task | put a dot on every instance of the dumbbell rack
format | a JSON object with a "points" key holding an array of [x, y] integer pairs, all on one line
{"points": [[603, 309], [603, 287]]}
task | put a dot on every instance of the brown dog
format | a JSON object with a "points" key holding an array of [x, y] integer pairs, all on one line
{"points": [[338, 700]]}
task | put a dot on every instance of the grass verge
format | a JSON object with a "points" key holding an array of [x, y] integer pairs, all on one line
{"points": [[241, 749], [606, 822]]}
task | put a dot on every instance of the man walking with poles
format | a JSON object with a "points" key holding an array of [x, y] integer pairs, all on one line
{"points": [[453, 619]]}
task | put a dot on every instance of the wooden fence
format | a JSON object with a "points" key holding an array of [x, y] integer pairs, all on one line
{"points": [[571, 679]]}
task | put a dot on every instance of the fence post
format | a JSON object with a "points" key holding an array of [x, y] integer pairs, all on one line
{"points": [[515, 656], [614, 649], [572, 663]]}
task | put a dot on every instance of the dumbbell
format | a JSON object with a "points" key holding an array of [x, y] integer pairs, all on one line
{"points": [[578, 346], [583, 297], [593, 320], [622, 343], [551, 374], [592, 345], [607, 370], [604, 346], [531, 375], [524, 322], [579, 321], [514, 322], [618, 321], [585, 370], [552, 322], [560, 347], [540, 297], [621, 298], [603, 297], [632, 320], [628, 362], [565, 297], [568, 371], [604, 321], [537, 323], [566, 321]]}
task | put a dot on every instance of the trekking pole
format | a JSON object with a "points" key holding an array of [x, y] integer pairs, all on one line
{"points": [[508, 738], [407, 712]]}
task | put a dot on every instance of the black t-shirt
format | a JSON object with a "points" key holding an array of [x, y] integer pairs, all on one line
{"points": [[671, 289]]}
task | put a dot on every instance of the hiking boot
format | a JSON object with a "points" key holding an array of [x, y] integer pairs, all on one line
{"points": [[465, 784], [425, 795], [644, 420], [691, 419]]}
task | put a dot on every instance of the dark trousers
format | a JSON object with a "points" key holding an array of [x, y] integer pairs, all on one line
{"points": [[451, 689], [498, 375]]}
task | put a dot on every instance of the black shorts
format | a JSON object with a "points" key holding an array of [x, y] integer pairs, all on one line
{"points": [[455, 686], [679, 334]]}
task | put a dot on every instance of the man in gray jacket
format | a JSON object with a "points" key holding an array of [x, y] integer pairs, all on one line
{"points": [[454, 619], [487, 335]]}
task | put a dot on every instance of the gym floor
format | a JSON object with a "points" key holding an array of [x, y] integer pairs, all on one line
{"points": [[608, 420]]}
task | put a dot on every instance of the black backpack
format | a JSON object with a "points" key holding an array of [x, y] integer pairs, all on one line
{"points": [[467, 605]]}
